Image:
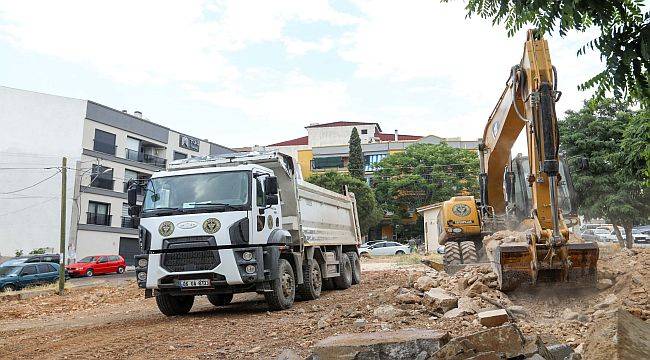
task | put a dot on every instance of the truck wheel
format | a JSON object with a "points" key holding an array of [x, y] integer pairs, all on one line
{"points": [[174, 305], [284, 288], [344, 280], [220, 299], [356, 267], [470, 255], [452, 253], [312, 282]]}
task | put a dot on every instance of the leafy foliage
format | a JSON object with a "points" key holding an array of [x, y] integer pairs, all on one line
{"points": [[19, 253], [424, 174], [369, 212], [355, 165], [624, 40], [38, 251], [614, 186]]}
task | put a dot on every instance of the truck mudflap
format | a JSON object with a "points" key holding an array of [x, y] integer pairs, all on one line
{"points": [[516, 265]]}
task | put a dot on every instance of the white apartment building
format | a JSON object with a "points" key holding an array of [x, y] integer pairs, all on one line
{"points": [[107, 147]]}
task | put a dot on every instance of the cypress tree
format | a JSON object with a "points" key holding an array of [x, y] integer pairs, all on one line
{"points": [[355, 165]]}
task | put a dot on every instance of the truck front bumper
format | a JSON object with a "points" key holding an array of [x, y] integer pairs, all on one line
{"points": [[238, 270]]}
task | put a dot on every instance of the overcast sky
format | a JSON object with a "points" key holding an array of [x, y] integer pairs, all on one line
{"points": [[256, 72]]}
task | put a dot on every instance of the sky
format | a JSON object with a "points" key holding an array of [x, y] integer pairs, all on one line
{"points": [[244, 73]]}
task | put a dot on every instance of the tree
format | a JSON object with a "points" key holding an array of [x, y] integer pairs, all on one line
{"points": [[424, 174], [38, 251], [19, 253], [614, 186], [369, 212], [355, 165], [624, 41]]}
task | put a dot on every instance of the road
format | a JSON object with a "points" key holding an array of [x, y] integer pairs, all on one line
{"points": [[113, 279]]}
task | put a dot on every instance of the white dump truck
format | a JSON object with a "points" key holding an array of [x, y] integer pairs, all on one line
{"points": [[238, 223]]}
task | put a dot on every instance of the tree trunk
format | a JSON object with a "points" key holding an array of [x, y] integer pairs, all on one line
{"points": [[619, 237], [629, 238]]}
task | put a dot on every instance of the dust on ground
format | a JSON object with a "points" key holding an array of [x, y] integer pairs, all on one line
{"points": [[116, 322]]}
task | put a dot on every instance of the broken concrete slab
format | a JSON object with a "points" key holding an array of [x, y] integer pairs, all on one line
{"points": [[387, 312], [502, 340], [604, 284], [426, 283], [439, 299], [477, 289], [402, 344], [492, 318]]}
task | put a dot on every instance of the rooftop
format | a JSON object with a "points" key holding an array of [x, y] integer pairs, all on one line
{"points": [[343, 123]]}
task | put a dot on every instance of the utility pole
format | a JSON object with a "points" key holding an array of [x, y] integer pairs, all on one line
{"points": [[64, 173]]}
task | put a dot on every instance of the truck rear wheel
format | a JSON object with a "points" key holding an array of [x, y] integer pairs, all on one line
{"points": [[174, 305], [344, 280], [312, 284], [220, 299], [356, 267], [284, 288], [452, 253]]}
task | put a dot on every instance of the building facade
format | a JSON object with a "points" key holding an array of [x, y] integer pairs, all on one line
{"points": [[107, 148]]}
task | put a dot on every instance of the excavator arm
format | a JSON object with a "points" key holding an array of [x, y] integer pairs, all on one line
{"points": [[528, 102]]}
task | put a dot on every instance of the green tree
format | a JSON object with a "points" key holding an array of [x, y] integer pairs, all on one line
{"points": [[624, 40], [369, 213], [19, 253], [355, 165], [614, 186], [38, 251], [424, 174]]}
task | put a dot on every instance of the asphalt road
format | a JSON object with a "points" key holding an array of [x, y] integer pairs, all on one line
{"points": [[116, 279]]}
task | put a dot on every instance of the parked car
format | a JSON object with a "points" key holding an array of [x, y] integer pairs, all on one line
{"points": [[370, 243], [595, 235], [385, 248], [51, 258], [97, 264], [19, 276], [639, 237]]}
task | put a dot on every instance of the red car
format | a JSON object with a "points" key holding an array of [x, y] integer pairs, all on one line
{"points": [[97, 264]]}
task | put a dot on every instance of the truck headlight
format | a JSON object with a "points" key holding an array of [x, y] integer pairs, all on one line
{"points": [[250, 269], [143, 263], [248, 256], [142, 275]]}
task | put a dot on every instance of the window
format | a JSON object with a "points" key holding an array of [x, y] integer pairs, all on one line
{"points": [[101, 177], [261, 200], [127, 221], [364, 132], [98, 213], [327, 162], [29, 270], [103, 259], [179, 155], [113, 258], [370, 161], [104, 142], [44, 268]]}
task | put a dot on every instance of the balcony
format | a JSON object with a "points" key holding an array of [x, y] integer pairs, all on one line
{"points": [[127, 222], [145, 158], [104, 147], [98, 219], [103, 183]]}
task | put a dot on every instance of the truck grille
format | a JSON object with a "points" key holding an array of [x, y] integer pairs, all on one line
{"points": [[186, 259]]}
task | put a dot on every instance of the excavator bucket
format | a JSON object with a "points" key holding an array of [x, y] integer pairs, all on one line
{"points": [[514, 262]]}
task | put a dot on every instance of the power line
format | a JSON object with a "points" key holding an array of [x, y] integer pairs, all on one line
{"points": [[29, 207], [31, 186]]}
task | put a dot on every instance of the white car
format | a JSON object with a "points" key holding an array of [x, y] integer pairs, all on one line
{"points": [[385, 248], [639, 237]]}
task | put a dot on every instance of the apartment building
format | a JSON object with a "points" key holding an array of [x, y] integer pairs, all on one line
{"points": [[107, 147], [326, 146]]}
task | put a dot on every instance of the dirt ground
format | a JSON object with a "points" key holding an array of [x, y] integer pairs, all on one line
{"points": [[117, 323]]}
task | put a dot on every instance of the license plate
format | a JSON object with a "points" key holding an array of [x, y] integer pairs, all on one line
{"points": [[194, 283]]}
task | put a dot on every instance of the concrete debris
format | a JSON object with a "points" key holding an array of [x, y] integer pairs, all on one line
{"points": [[456, 312], [604, 284], [409, 298], [387, 312], [402, 344], [440, 299], [504, 340], [476, 289], [569, 314], [468, 305], [492, 318], [288, 354], [425, 283], [360, 322]]}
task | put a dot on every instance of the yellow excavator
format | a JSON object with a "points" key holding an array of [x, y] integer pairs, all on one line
{"points": [[532, 194]]}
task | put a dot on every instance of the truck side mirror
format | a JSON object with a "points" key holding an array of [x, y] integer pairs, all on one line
{"points": [[272, 199], [132, 193], [271, 185]]}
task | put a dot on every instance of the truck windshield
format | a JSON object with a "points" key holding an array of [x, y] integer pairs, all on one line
{"points": [[223, 190]]}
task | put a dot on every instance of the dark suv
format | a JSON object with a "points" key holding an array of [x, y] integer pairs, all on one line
{"points": [[51, 258]]}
